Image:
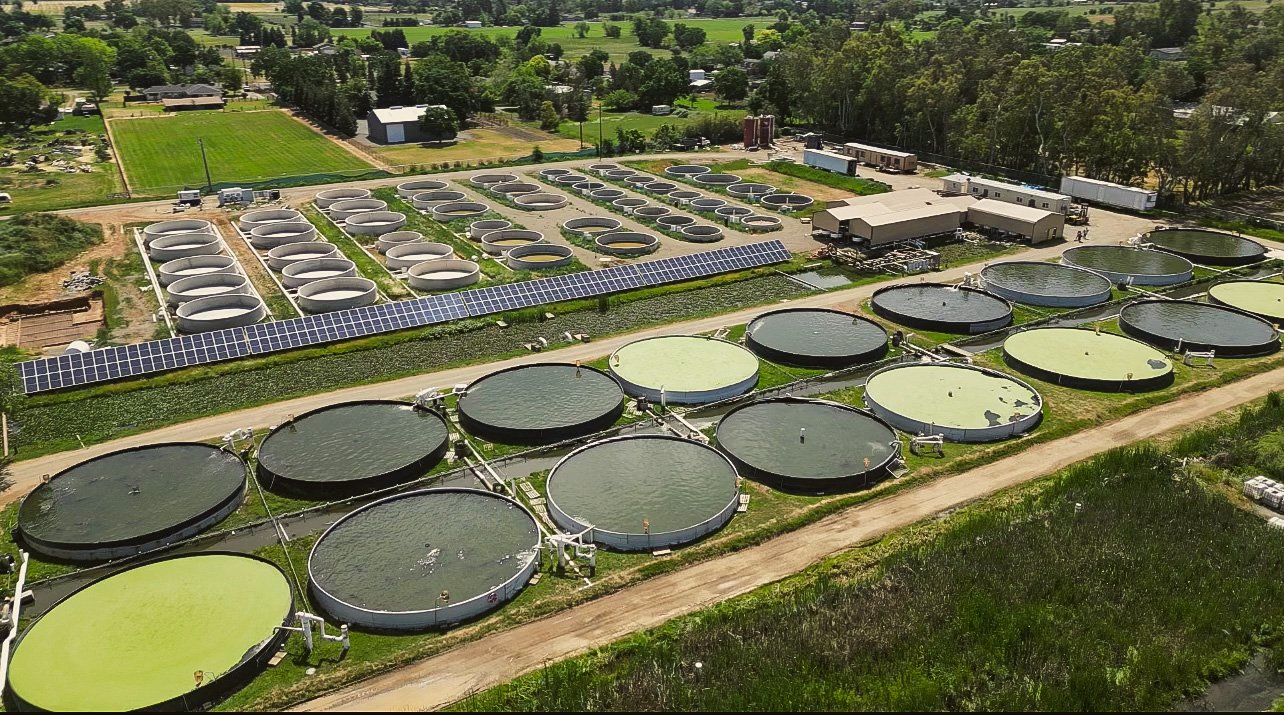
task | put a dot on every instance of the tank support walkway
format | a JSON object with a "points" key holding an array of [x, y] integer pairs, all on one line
{"points": [[495, 659]]}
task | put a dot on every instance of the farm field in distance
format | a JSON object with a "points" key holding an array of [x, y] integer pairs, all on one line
{"points": [[161, 154], [474, 144]]}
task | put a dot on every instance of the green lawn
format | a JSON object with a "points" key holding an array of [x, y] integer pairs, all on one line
{"points": [[161, 154]]}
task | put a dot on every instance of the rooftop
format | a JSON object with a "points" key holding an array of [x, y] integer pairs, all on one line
{"points": [[1028, 190], [1016, 211], [401, 115]]}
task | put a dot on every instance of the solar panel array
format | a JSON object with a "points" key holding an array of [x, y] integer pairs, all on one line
{"points": [[114, 363]]}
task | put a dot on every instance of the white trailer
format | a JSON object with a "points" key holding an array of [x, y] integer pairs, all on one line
{"points": [[1108, 194], [830, 161]]}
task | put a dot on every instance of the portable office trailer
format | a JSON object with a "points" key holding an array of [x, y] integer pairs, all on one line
{"points": [[887, 159], [829, 161], [1011, 193], [1108, 194]]}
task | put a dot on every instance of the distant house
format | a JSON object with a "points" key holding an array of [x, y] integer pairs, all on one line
{"points": [[181, 91], [1167, 54], [397, 125], [185, 103], [472, 24]]}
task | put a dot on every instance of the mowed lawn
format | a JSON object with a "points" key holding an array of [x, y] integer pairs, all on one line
{"points": [[160, 154]]}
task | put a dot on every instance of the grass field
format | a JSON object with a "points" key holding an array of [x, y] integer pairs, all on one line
{"points": [[474, 145], [161, 154], [50, 191]]}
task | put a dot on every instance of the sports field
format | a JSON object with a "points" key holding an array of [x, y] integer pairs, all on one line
{"points": [[161, 154]]}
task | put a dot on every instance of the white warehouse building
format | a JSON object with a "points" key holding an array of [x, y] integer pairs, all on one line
{"points": [[981, 188]]}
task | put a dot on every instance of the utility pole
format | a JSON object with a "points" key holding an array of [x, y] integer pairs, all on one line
{"points": [[209, 183]]}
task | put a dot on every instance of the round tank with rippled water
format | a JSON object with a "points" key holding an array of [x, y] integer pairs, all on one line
{"points": [[1184, 325], [541, 403], [498, 242], [424, 559], [1264, 299], [281, 256], [1139, 266], [342, 210], [339, 293], [443, 274], [1088, 359], [541, 201], [942, 308], [329, 197], [477, 229], [412, 254], [1046, 284], [688, 369], [407, 189], [1212, 248], [218, 312], [457, 210], [131, 501], [278, 234], [965, 403], [589, 226], [184, 245], [133, 639], [397, 238], [301, 273], [626, 244], [817, 338], [538, 257], [205, 285], [351, 448], [644, 492], [428, 200], [177, 226], [266, 217], [374, 223], [808, 446], [194, 266]]}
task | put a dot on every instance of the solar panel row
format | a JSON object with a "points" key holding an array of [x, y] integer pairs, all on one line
{"points": [[158, 355]]}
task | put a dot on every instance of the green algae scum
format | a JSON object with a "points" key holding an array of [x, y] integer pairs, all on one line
{"points": [[352, 448], [1086, 359], [815, 338], [942, 308], [423, 559], [135, 500], [688, 369], [1046, 284], [643, 492], [1261, 298], [1182, 325], [172, 634], [964, 403], [541, 404], [1213, 248], [807, 445]]}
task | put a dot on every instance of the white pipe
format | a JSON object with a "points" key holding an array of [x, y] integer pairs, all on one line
{"points": [[18, 588]]}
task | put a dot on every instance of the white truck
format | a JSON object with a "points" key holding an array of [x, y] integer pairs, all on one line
{"points": [[830, 161], [1108, 194]]}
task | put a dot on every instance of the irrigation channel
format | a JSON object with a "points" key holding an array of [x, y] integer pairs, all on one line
{"points": [[663, 488]]}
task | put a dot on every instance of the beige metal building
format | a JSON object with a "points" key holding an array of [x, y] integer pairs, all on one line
{"points": [[1038, 225], [983, 188], [895, 216], [885, 159]]}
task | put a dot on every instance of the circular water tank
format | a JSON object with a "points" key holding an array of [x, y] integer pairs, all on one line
{"points": [[281, 256], [588, 187], [443, 274], [702, 233], [660, 187], [397, 238], [329, 197], [759, 224], [276, 234], [477, 229], [686, 171], [638, 180], [194, 266], [553, 173], [407, 189], [203, 286], [717, 179], [514, 188], [620, 174], [684, 196], [651, 213], [674, 222], [344, 209], [185, 225], [607, 194], [750, 190], [265, 217], [541, 201], [569, 179], [707, 204], [626, 244], [603, 168], [427, 200], [629, 205], [536, 257], [374, 223], [733, 213], [340, 293], [591, 225], [184, 245], [218, 312], [787, 202], [498, 242], [301, 273], [455, 210], [488, 180], [412, 254]]}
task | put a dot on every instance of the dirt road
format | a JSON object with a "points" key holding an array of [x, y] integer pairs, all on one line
{"points": [[495, 659]]}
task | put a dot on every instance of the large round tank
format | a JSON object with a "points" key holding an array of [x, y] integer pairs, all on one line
{"points": [[603, 168], [569, 179], [217, 312], [541, 403], [340, 211], [684, 196], [329, 197], [301, 273], [629, 204], [750, 190], [457, 210], [707, 204], [485, 181], [626, 244], [619, 174], [786, 202], [428, 200], [194, 266], [407, 189], [538, 257], [644, 492], [351, 448], [1214, 248], [701, 233], [710, 179], [674, 222], [177, 226], [1183, 325], [607, 194], [443, 274], [515, 188], [281, 256], [266, 217], [1121, 264], [686, 171], [1088, 359], [637, 181], [477, 229], [588, 187], [759, 224], [277, 234], [942, 308], [339, 293], [131, 501], [205, 285], [964, 403], [424, 559], [808, 445], [175, 633], [184, 245], [688, 369], [1046, 284], [412, 254], [815, 338], [553, 173], [498, 242], [652, 213], [589, 226], [733, 214], [1264, 299], [397, 238], [540, 201], [659, 187], [374, 223]]}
